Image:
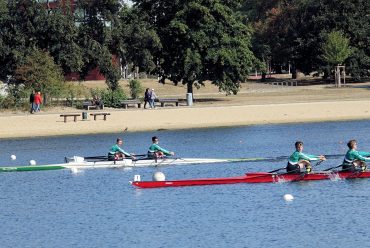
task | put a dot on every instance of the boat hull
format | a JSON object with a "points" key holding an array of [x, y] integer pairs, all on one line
{"points": [[115, 164], [30, 168], [252, 178]]}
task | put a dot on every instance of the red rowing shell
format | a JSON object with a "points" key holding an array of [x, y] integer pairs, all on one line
{"points": [[255, 177]]}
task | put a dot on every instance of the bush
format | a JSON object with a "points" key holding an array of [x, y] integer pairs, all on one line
{"points": [[7, 102], [73, 93], [135, 88], [39, 72], [110, 98], [17, 97]]}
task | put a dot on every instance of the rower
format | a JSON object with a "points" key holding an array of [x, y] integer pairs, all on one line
{"points": [[355, 160], [117, 153], [155, 151], [300, 162]]}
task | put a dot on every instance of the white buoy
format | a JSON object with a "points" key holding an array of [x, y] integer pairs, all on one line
{"points": [[32, 162], [288, 197], [13, 157], [159, 176]]}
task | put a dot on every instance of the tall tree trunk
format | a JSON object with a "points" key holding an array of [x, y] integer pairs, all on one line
{"points": [[137, 72], [294, 71], [189, 95], [190, 87], [263, 78]]}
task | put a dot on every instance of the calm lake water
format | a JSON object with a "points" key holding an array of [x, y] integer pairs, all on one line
{"points": [[98, 208]]}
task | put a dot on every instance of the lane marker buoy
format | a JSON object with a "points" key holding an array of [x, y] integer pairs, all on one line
{"points": [[159, 176], [288, 197]]}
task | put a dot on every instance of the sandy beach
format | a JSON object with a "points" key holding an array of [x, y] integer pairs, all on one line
{"points": [[255, 105]]}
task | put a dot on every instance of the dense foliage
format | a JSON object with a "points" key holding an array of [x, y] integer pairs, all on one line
{"points": [[201, 40], [336, 48], [186, 42], [136, 89], [294, 31]]}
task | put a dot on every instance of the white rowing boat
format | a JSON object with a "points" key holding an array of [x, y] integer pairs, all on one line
{"points": [[80, 162], [77, 162]]}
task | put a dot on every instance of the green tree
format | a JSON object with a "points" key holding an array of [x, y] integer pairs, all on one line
{"points": [[4, 47], [18, 25], [58, 35], [336, 49], [135, 88], [95, 36], [39, 72], [135, 39], [27, 25], [296, 29], [201, 40]]}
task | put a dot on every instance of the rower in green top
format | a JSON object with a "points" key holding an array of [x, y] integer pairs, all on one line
{"points": [[355, 160], [117, 153], [300, 162], [155, 151]]}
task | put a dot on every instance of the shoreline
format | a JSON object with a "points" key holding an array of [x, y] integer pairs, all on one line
{"points": [[180, 118]]}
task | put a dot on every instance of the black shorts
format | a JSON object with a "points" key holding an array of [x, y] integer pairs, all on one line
{"points": [[352, 168], [293, 168]]}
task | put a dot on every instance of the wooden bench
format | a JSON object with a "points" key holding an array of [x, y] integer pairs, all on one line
{"points": [[89, 105], [104, 114], [125, 103], [163, 101], [68, 115]]}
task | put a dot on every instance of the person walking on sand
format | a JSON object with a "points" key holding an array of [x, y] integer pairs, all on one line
{"points": [[37, 101], [146, 97], [32, 99], [152, 98]]}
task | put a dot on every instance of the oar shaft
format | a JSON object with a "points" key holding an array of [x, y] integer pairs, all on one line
{"points": [[95, 157]]}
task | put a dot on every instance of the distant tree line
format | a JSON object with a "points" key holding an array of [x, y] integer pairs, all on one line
{"points": [[185, 42], [295, 32]]}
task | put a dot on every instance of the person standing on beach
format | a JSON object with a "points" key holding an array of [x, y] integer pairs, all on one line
{"points": [[152, 98], [155, 151], [37, 101], [146, 97], [300, 162], [32, 99]]}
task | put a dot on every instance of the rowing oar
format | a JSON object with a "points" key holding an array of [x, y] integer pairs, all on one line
{"points": [[276, 159], [106, 157], [273, 171], [334, 155], [96, 157], [334, 167]]}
